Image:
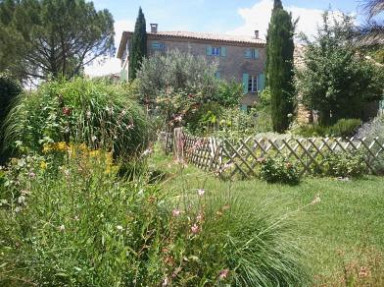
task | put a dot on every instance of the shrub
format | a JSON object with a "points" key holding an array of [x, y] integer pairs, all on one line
{"points": [[81, 111], [373, 129], [200, 119], [9, 89], [279, 171], [345, 127], [344, 165]]}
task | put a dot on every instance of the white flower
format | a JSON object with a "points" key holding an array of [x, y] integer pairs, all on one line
{"points": [[176, 212], [119, 228], [21, 199], [94, 138], [17, 209], [147, 152], [200, 192], [62, 227]]}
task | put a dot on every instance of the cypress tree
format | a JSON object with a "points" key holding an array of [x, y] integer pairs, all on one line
{"points": [[280, 48], [138, 47]]}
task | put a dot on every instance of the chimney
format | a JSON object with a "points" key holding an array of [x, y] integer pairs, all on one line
{"points": [[154, 28], [257, 34]]}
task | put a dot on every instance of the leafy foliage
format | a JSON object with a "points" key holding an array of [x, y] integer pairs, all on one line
{"points": [[280, 73], [344, 165], [53, 38], [81, 111], [279, 171], [335, 81], [138, 46]]}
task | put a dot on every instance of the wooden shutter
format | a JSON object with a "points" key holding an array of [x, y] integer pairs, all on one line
{"points": [[223, 51], [256, 53], [209, 50], [245, 83], [248, 54], [261, 82]]}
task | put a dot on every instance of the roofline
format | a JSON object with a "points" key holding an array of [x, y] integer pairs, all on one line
{"points": [[152, 36]]}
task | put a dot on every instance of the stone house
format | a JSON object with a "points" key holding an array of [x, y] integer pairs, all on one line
{"points": [[239, 58]]}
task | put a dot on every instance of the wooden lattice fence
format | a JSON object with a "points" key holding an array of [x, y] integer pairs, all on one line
{"points": [[242, 158]]}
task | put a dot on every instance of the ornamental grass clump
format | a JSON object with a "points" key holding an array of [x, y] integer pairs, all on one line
{"points": [[82, 111]]}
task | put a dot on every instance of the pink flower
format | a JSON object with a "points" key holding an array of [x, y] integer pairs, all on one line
{"points": [[224, 274], [199, 217], [195, 229], [200, 192], [176, 212]]}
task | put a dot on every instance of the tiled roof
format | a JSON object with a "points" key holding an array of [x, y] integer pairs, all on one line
{"points": [[233, 39], [211, 36]]}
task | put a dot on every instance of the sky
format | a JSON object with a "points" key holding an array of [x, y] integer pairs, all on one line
{"points": [[238, 17]]}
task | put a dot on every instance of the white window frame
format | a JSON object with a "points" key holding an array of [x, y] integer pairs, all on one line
{"points": [[252, 84]]}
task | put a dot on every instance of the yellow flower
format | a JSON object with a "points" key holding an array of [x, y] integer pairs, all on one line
{"points": [[43, 165], [61, 146], [47, 148]]}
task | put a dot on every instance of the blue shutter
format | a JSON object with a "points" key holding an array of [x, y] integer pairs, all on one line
{"points": [[248, 54], [256, 54], [155, 45], [245, 83], [209, 50], [261, 82], [217, 75], [244, 108], [223, 51]]}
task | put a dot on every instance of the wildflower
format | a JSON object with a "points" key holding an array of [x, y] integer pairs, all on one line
{"points": [[223, 274], [123, 112], [147, 152], [62, 227], [61, 146], [176, 212], [18, 209], [32, 174], [289, 116], [200, 192], [76, 218], [178, 119], [66, 111], [165, 282], [21, 199], [119, 228], [288, 165], [94, 138], [130, 126], [195, 228]]}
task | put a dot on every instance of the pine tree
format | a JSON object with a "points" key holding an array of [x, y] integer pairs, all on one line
{"points": [[280, 48], [138, 47]]}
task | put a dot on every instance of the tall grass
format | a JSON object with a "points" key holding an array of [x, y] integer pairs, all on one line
{"points": [[85, 226], [82, 111]]}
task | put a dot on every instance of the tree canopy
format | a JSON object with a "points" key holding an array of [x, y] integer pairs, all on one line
{"points": [[336, 80], [54, 38], [280, 48], [138, 46]]}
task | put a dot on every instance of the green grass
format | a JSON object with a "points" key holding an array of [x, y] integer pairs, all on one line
{"points": [[342, 235]]}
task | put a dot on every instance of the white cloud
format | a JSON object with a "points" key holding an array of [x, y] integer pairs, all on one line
{"points": [[110, 65], [257, 18]]}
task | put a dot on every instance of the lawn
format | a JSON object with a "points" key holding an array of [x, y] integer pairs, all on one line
{"points": [[340, 225]]}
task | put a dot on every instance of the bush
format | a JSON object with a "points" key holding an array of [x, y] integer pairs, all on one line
{"points": [[279, 171], [342, 128], [345, 128], [344, 165], [9, 89], [81, 111], [373, 129], [202, 118]]}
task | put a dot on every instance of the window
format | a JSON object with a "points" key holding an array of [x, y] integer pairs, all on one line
{"points": [[216, 51], [157, 46], [251, 53], [252, 84]]}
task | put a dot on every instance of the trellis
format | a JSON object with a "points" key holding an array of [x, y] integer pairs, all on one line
{"points": [[241, 158]]}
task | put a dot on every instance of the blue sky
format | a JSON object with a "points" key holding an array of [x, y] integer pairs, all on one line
{"points": [[240, 17]]}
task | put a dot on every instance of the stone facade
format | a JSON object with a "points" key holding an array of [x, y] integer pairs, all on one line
{"points": [[238, 58]]}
